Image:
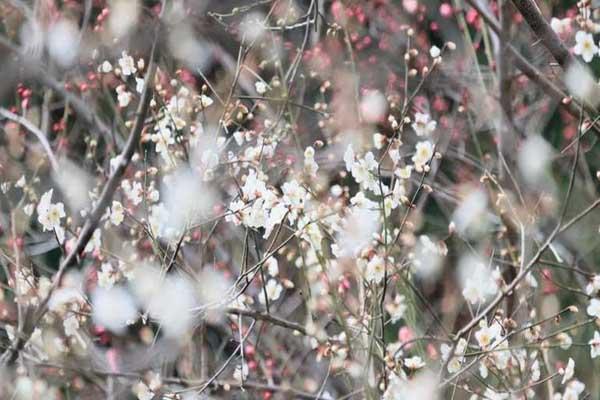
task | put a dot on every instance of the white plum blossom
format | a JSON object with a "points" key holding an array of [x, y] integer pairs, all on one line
{"points": [[71, 325], [115, 162], [294, 195], [476, 294], [564, 340], [21, 182], [357, 229], [163, 137], [106, 67], [535, 371], [585, 46], [560, 26], [379, 140], [573, 390], [274, 217], [487, 334], [239, 138], [28, 209], [127, 64], [479, 283], [254, 186], [139, 85], [50, 214], [261, 87], [117, 213], [593, 308], [595, 345], [375, 269], [206, 101], [423, 153], [175, 110], [423, 124], [272, 266], [134, 192], [414, 362], [457, 360], [434, 51], [143, 392], [310, 232], [273, 290], [404, 172], [569, 371], [310, 165], [361, 170], [236, 212], [123, 96], [336, 190], [594, 285], [501, 355], [364, 172]]}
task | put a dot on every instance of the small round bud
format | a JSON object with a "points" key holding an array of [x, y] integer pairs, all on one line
{"points": [[451, 227], [573, 309]]}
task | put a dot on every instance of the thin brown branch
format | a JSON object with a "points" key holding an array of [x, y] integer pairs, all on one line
{"points": [[268, 318], [35, 131], [542, 29]]}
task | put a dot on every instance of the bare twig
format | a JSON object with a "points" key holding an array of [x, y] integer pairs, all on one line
{"points": [[543, 30], [268, 318], [35, 131]]}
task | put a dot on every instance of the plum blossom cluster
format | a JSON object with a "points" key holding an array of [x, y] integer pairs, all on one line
{"points": [[324, 200]]}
